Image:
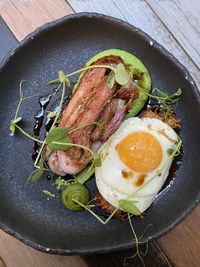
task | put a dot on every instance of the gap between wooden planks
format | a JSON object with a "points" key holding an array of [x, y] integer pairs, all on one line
{"points": [[23, 17]]}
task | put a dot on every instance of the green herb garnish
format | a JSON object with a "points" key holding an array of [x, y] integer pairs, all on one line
{"points": [[58, 134], [122, 76], [59, 182], [88, 208], [170, 151], [162, 97], [48, 193], [110, 81], [83, 176], [38, 172], [129, 206], [17, 118]]}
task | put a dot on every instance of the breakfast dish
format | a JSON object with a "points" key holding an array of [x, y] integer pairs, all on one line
{"points": [[34, 212], [97, 132]]}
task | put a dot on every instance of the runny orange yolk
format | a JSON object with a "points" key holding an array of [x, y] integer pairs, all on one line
{"points": [[140, 151]]}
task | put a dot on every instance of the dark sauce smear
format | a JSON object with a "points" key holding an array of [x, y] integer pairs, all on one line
{"points": [[49, 177], [35, 151], [39, 116], [49, 121], [43, 122]]}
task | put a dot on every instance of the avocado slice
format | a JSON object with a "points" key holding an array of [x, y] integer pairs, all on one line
{"points": [[134, 65]]}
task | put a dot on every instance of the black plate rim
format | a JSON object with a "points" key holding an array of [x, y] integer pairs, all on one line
{"points": [[30, 38]]}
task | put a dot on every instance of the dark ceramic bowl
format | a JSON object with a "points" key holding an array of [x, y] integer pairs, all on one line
{"points": [[67, 44]]}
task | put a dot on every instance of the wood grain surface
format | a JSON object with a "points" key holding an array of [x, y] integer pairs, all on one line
{"points": [[16, 254], [143, 16], [24, 16], [2, 263], [182, 20], [174, 24]]}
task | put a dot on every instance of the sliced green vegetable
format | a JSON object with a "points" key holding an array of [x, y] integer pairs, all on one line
{"points": [[96, 160], [83, 176], [75, 191]]}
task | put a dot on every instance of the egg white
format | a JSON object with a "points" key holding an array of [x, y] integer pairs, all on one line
{"points": [[109, 179]]}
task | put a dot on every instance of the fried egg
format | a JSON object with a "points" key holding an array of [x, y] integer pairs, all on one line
{"points": [[136, 161]]}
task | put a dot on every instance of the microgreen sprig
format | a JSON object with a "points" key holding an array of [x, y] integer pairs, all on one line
{"points": [[162, 97], [129, 206], [137, 242], [17, 118], [57, 80], [88, 208], [119, 74]]}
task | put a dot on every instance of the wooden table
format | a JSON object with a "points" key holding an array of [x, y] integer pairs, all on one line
{"points": [[174, 24]]}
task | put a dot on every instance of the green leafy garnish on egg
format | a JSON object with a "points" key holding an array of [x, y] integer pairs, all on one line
{"points": [[129, 206]]}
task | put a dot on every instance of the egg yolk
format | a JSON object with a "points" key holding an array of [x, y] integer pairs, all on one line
{"points": [[140, 151]]}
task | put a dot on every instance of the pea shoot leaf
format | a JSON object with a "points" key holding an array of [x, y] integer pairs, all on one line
{"points": [[129, 206], [37, 173], [170, 151], [67, 81], [62, 145], [56, 134], [122, 76], [111, 81], [57, 139], [167, 99], [12, 125], [63, 78], [96, 160]]}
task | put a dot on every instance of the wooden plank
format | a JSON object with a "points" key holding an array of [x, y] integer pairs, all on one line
{"points": [[139, 14], [24, 16], [182, 244], [2, 264], [15, 254], [182, 19]]}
